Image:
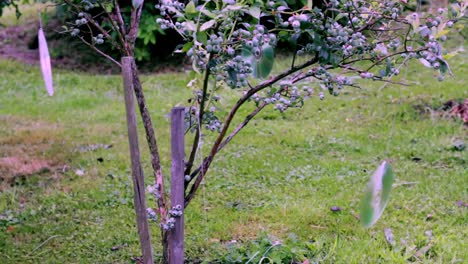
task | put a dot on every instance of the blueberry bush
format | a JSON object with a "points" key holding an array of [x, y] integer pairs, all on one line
{"points": [[232, 44]]}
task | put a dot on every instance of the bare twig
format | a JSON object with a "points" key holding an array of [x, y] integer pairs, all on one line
{"points": [[42, 244], [100, 52]]}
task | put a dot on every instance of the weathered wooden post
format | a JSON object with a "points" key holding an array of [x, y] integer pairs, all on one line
{"points": [[176, 235], [137, 171]]}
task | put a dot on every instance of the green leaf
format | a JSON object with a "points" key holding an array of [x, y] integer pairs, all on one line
{"points": [[444, 66], [190, 8], [377, 194], [265, 64], [234, 7], [202, 37], [262, 63], [255, 12], [340, 16], [388, 68], [191, 25], [324, 55], [187, 46], [207, 25], [294, 38], [149, 38], [208, 13]]}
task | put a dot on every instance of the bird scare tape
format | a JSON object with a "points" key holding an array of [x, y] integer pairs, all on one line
{"points": [[44, 58]]}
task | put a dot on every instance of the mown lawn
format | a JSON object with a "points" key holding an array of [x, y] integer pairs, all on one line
{"points": [[269, 192]]}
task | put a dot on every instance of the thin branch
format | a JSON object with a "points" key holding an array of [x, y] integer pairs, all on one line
{"points": [[242, 125], [388, 29], [406, 37], [100, 52], [214, 150], [201, 112], [119, 17], [90, 19], [393, 74], [233, 134], [115, 27], [392, 55], [294, 57], [302, 76], [219, 143], [369, 23], [189, 163], [134, 25], [389, 81], [72, 4]]}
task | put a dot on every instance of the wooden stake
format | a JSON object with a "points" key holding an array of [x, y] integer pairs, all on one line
{"points": [[137, 171], [176, 235]]}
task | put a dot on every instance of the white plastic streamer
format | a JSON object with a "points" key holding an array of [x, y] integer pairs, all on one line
{"points": [[44, 58]]}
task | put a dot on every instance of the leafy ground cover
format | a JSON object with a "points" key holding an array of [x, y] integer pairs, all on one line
{"points": [[67, 195]]}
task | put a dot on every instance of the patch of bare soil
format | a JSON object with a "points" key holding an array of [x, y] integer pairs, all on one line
{"points": [[458, 109], [30, 148], [23, 165], [454, 108]]}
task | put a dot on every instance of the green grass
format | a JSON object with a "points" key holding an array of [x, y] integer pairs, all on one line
{"points": [[275, 182]]}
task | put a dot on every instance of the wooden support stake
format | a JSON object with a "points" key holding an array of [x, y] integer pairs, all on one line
{"points": [[176, 235], [137, 171]]}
